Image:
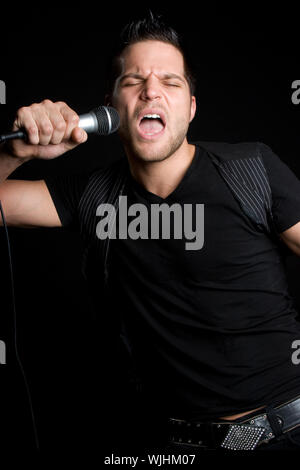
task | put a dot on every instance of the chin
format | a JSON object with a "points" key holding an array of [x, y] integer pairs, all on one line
{"points": [[151, 157], [152, 151]]}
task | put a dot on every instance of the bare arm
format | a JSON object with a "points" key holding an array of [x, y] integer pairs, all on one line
{"points": [[291, 237], [52, 130], [28, 204]]}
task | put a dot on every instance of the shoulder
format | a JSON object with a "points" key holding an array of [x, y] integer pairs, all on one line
{"points": [[103, 186], [113, 170], [234, 151]]}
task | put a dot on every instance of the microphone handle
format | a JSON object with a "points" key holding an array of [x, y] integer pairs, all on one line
{"points": [[20, 134], [98, 121], [87, 121]]}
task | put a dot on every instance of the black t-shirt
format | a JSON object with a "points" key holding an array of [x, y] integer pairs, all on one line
{"points": [[210, 329]]}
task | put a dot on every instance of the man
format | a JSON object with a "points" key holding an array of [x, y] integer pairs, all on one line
{"points": [[209, 328]]}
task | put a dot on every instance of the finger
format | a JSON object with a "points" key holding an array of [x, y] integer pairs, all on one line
{"points": [[24, 119], [43, 123], [71, 119], [57, 121]]}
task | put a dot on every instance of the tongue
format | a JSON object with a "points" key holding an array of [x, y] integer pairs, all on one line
{"points": [[151, 126]]}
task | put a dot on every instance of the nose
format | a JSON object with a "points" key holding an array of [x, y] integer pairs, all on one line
{"points": [[151, 89]]}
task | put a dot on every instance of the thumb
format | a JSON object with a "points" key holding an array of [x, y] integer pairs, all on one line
{"points": [[79, 135]]}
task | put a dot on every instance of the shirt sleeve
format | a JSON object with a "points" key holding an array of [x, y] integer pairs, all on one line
{"points": [[66, 192], [285, 187]]}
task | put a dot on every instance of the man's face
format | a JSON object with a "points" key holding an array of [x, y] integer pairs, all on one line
{"points": [[153, 99]]}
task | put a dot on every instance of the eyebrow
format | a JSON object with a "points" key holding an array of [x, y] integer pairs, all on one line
{"points": [[165, 76]]}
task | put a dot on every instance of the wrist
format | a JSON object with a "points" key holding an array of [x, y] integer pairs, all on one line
{"points": [[7, 153]]}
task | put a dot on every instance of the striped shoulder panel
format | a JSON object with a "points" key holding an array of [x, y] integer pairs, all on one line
{"points": [[248, 180], [104, 187], [242, 168]]}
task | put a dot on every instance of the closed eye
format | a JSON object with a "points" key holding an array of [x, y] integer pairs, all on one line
{"points": [[173, 84], [131, 83]]}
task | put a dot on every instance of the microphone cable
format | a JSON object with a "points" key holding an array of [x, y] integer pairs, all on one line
{"points": [[13, 300]]}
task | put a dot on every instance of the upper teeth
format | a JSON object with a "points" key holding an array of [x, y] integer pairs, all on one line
{"points": [[152, 116]]}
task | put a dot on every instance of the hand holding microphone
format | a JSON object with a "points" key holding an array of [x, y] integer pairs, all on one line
{"points": [[47, 130]]}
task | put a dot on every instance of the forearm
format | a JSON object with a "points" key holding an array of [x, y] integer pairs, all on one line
{"points": [[8, 163], [52, 129]]}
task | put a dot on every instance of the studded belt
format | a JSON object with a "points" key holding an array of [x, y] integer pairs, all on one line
{"points": [[237, 435]]}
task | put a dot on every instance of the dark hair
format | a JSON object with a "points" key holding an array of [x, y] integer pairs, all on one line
{"points": [[154, 28]]}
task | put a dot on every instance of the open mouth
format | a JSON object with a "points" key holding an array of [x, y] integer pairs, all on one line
{"points": [[151, 124]]}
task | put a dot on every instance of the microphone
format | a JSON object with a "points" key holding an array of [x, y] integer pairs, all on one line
{"points": [[103, 120]]}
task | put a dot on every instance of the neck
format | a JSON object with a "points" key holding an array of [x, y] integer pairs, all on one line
{"points": [[162, 177]]}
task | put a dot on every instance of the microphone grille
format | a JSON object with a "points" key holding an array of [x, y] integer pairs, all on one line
{"points": [[108, 119]]}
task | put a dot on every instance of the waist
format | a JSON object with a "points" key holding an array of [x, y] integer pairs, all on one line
{"points": [[246, 433], [240, 415]]}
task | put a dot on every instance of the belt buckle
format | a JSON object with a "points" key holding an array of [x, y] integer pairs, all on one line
{"points": [[242, 437]]}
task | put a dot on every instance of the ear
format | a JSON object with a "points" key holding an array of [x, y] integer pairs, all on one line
{"points": [[107, 100], [193, 108]]}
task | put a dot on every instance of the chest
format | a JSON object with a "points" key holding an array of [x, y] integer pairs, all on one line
{"points": [[202, 234]]}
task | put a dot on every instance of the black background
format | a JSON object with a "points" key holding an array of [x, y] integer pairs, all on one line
{"points": [[246, 61]]}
